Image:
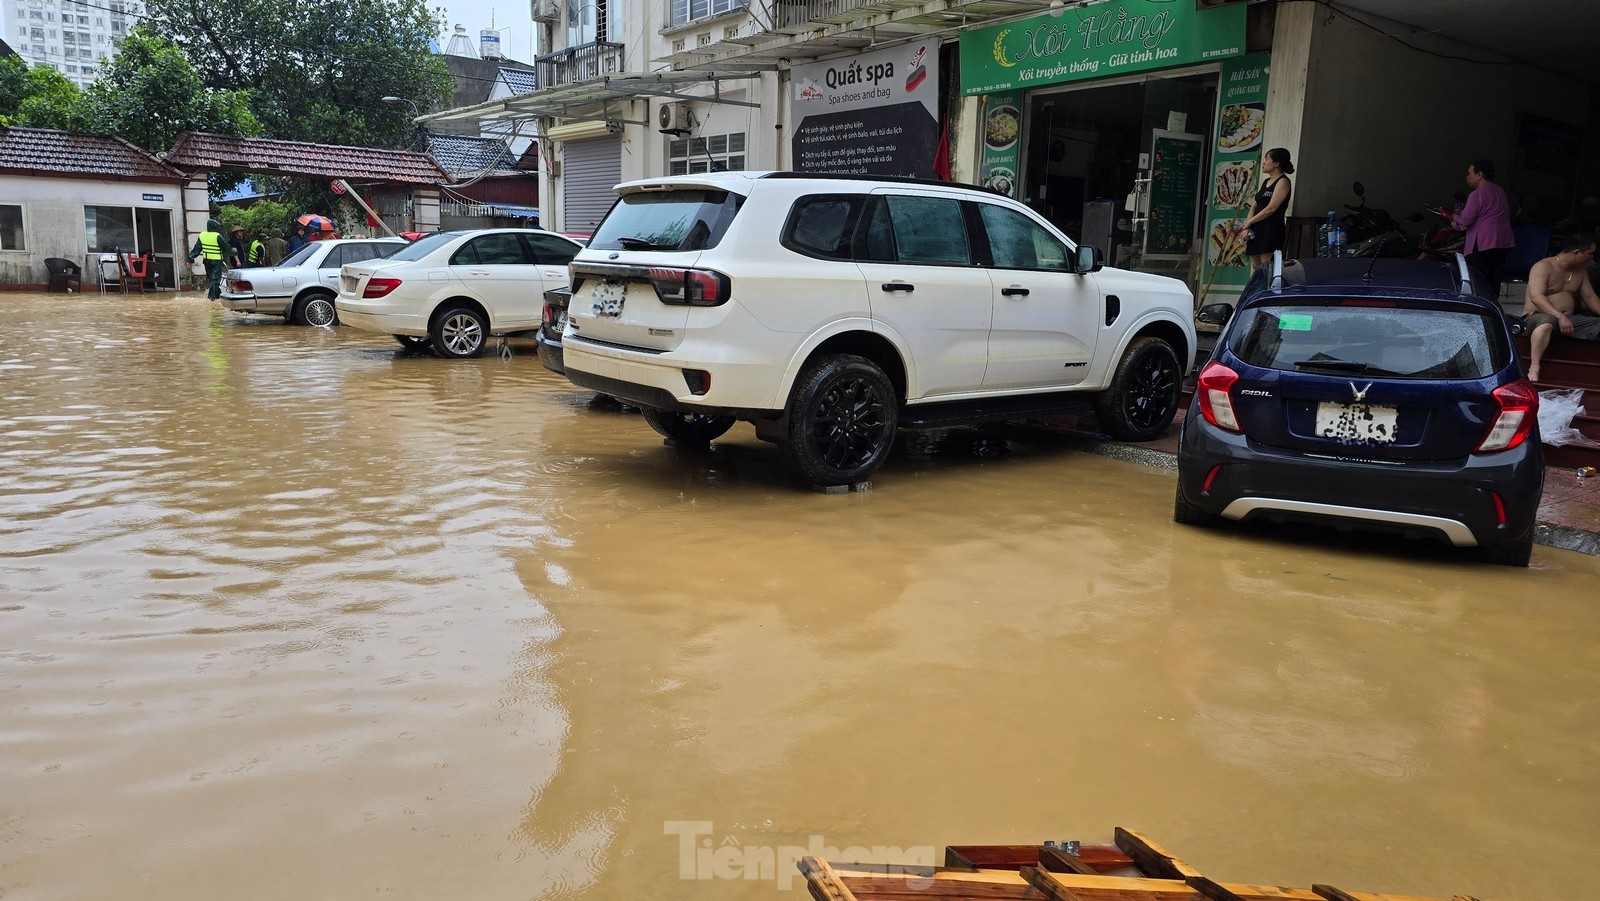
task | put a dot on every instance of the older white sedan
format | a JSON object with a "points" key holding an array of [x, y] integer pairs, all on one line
{"points": [[452, 290]]}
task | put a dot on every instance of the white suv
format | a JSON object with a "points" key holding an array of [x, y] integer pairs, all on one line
{"points": [[830, 311]]}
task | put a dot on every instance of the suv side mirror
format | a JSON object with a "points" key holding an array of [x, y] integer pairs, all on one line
{"points": [[1090, 259], [1215, 314]]}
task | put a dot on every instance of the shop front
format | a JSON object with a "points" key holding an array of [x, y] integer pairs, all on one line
{"points": [[1132, 125]]}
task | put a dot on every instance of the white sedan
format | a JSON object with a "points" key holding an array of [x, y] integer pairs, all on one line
{"points": [[454, 289]]}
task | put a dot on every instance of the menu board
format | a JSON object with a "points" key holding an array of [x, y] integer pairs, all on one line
{"points": [[1236, 174], [1174, 192], [1002, 139]]}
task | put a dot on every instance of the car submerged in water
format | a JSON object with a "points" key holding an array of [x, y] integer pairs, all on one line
{"points": [[301, 288], [1373, 394]]}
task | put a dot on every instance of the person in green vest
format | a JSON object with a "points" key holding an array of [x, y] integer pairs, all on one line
{"points": [[258, 250], [213, 247]]}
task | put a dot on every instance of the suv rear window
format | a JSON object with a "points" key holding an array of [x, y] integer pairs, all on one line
{"points": [[679, 219], [1389, 342]]}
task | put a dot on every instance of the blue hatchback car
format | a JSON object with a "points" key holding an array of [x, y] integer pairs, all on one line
{"points": [[1371, 394]]}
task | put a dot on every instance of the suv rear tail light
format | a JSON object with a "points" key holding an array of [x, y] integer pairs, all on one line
{"points": [[1519, 410], [690, 287], [379, 286], [1216, 404]]}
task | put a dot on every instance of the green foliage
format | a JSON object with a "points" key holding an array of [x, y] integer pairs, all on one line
{"points": [[13, 83], [149, 94], [316, 70], [45, 99], [262, 216]]}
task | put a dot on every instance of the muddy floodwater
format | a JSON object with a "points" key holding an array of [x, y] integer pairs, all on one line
{"points": [[286, 613]]}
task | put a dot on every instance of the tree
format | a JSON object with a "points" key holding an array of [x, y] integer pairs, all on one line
{"points": [[315, 69], [40, 97], [149, 94]]}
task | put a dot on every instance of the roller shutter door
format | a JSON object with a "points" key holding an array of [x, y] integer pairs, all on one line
{"points": [[588, 173]]}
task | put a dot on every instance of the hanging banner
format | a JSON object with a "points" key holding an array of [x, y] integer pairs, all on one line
{"points": [[1236, 170], [1098, 40], [1002, 142], [872, 114]]}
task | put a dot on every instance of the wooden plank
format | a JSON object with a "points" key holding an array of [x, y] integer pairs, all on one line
{"points": [[851, 872], [1103, 857], [1113, 888], [823, 883], [869, 882], [1331, 893], [1058, 861], [1212, 890], [1051, 889], [1155, 860]]}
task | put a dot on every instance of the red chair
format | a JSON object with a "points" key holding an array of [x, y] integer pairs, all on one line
{"points": [[126, 263]]}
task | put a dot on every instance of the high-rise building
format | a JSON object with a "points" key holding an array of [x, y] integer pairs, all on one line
{"points": [[72, 37]]}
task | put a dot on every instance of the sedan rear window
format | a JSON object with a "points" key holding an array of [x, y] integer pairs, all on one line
{"points": [[424, 246], [1390, 342], [686, 219]]}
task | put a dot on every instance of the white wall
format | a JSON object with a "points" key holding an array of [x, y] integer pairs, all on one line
{"points": [[1407, 123], [52, 213]]}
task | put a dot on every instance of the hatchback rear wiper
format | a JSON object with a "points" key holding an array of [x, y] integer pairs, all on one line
{"points": [[1338, 365], [633, 243]]}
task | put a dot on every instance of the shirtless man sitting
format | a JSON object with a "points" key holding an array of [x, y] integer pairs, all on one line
{"points": [[1557, 287]]}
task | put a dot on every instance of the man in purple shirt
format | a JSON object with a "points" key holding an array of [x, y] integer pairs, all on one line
{"points": [[1486, 219]]}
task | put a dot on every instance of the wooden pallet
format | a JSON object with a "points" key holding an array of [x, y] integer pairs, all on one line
{"points": [[1132, 868]]}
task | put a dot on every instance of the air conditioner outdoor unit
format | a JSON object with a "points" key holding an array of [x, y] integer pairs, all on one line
{"points": [[545, 10], [674, 119]]}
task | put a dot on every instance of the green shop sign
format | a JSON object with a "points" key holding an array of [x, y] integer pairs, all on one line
{"points": [[1097, 40]]}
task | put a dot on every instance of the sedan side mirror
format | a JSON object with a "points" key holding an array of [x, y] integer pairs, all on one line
{"points": [[1090, 259], [1215, 314]]}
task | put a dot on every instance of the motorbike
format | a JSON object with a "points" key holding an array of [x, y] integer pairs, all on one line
{"points": [[1372, 232], [1443, 241]]}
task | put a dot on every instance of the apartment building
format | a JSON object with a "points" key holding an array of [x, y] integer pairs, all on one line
{"points": [[72, 37]]}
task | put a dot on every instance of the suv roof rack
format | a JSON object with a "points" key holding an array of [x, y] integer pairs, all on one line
{"points": [[893, 179], [1465, 274]]}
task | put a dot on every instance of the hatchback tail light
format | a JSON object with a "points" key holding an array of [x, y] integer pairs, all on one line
{"points": [[1519, 410], [690, 287], [1216, 403], [380, 286]]}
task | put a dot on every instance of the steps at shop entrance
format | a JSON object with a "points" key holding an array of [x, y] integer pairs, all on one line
{"points": [[1572, 364]]}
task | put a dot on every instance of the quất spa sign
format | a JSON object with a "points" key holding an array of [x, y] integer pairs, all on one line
{"points": [[1098, 40]]}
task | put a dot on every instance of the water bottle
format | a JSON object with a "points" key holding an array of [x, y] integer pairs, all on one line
{"points": [[1325, 245], [1340, 248]]}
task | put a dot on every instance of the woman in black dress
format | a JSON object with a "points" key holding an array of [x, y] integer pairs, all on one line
{"points": [[1265, 226]]}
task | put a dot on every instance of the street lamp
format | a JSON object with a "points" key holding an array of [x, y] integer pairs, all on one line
{"points": [[417, 130]]}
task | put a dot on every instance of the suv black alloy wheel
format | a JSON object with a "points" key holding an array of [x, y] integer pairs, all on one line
{"points": [[1143, 395], [842, 417]]}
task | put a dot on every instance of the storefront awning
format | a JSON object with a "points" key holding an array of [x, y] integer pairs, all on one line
{"points": [[783, 33], [586, 100]]}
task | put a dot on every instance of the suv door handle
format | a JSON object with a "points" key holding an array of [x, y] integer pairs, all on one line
{"points": [[899, 286], [1013, 291]]}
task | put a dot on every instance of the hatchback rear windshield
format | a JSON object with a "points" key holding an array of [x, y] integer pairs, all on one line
{"points": [[688, 219], [1388, 342]]}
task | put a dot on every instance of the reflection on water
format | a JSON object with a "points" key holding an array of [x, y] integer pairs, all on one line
{"points": [[286, 612]]}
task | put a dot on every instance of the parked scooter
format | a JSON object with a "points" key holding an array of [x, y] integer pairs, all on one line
{"points": [[1372, 232], [1443, 241]]}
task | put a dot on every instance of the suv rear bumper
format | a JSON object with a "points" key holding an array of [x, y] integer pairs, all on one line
{"points": [[1454, 501], [657, 379]]}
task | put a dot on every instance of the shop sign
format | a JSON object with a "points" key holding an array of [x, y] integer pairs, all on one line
{"points": [[1236, 170], [1002, 139], [1096, 41], [870, 114]]}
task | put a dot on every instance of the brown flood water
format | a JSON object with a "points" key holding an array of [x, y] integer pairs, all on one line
{"points": [[285, 614]]}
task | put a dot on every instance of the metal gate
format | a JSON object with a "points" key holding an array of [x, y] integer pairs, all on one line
{"points": [[589, 172]]}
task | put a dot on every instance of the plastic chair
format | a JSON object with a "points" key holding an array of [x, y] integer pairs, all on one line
{"points": [[64, 274], [125, 272]]}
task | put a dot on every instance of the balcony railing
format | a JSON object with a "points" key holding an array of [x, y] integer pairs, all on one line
{"points": [[579, 63]]}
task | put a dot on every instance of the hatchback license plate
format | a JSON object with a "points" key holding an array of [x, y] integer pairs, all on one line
{"points": [[1364, 423], [608, 297]]}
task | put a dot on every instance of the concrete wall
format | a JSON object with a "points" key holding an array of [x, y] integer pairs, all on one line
{"points": [[52, 213], [1407, 123]]}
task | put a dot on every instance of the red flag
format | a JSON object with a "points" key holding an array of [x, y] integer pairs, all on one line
{"points": [[373, 221], [941, 157]]}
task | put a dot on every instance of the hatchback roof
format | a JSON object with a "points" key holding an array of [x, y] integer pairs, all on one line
{"points": [[1408, 278]]}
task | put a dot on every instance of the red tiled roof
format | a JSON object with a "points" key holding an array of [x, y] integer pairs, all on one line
{"points": [[46, 151], [200, 150]]}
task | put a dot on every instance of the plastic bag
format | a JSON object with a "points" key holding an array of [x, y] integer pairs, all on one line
{"points": [[1557, 409]]}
